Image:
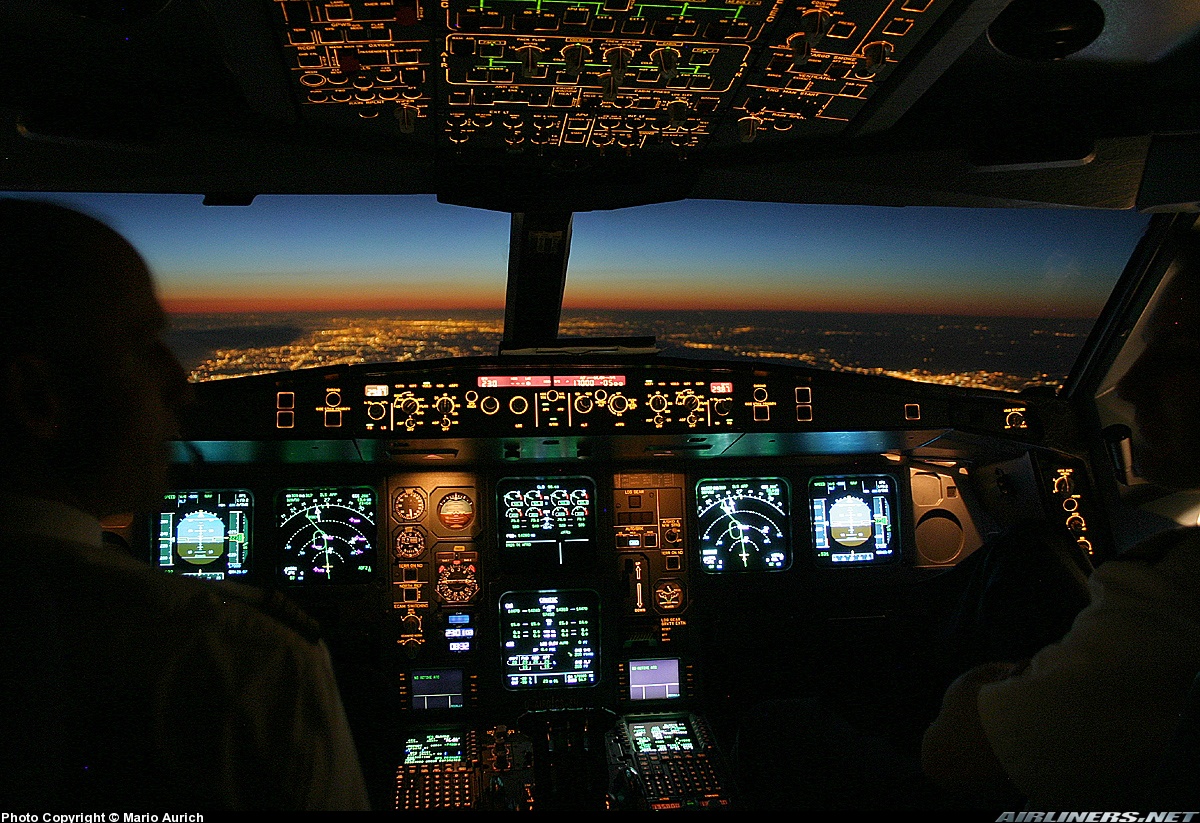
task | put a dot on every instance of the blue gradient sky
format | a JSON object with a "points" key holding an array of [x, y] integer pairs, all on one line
{"points": [[368, 252]]}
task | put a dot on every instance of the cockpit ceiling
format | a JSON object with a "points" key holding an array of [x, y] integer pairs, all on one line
{"points": [[581, 104], [595, 77]]}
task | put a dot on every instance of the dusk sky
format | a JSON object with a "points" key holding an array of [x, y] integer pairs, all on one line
{"points": [[380, 253]]}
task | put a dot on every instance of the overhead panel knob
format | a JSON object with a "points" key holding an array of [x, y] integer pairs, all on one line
{"points": [[677, 111], [406, 118], [667, 60], [618, 60], [873, 56], [575, 56], [531, 57], [816, 23], [799, 45]]}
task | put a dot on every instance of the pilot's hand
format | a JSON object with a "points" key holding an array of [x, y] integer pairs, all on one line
{"points": [[955, 752]]}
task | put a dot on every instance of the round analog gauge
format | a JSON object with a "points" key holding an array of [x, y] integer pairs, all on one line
{"points": [[744, 525], [328, 535], [409, 504], [456, 511], [456, 582], [410, 543]]}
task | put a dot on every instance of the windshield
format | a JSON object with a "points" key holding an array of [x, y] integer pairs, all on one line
{"points": [[994, 298]]}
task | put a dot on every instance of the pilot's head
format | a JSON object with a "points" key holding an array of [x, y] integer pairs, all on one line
{"points": [[1163, 384], [88, 391]]}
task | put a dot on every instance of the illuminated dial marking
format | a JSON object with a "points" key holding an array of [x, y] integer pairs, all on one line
{"points": [[410, 542], [744, 525], [456, 582], [456, 511], [409, 504]]}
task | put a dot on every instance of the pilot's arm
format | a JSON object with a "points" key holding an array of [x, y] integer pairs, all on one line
{"points": [[1086, 723], [955, 752]]}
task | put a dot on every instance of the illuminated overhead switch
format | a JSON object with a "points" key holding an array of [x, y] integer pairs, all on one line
{"points": [[716, 30], [406, 118], [575, 17], [575, 55], [873, 56], [912, 411], [667, 60], [748, 129]]}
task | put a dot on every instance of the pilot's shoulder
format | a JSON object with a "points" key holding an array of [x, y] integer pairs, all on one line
{"points": [[202, 605], [1157, 547], [272, 604]]}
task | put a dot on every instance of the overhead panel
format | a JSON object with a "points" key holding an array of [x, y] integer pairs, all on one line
{"points": [[555, 77]]}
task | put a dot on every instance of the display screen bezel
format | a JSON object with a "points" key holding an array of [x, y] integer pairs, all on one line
{"points": [[820, 530], [564, 542], [767, 532], [228, 504], [517, 640]]}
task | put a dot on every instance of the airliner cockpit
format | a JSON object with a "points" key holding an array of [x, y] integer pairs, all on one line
{"points": [[574, 367]]}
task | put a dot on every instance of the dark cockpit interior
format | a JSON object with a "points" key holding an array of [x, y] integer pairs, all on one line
{"points": [[556, 575]]}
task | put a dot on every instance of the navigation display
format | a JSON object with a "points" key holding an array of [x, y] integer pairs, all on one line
{"points": [[551, 638], [854, 519], [328, 535], [745, 524], [205, 533], [546, 522]]}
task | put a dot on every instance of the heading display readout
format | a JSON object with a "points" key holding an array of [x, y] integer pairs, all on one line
{"points": [[745, 524], [556, 381]]}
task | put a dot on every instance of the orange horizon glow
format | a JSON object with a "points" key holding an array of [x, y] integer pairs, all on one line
{"points": [[359, 303], [274, 305]]}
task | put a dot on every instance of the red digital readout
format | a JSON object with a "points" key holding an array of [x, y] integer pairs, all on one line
{"points": [[537, 381], [589, 380], [720, 388], [515, 381]]}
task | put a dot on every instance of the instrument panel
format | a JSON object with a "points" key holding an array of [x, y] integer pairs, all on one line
{"points": [[458, 563], [550, 584]]}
